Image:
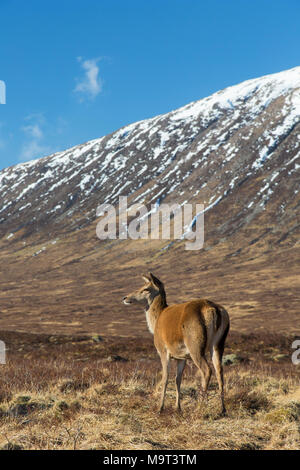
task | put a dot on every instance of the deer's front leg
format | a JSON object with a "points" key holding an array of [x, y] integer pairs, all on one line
{"points": [[165, 362]]}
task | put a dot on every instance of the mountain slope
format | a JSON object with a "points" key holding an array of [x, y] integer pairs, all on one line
{"points": [[236, 151]]}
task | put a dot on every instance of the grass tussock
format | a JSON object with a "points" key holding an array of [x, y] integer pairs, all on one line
{"points": [[98, 404]]}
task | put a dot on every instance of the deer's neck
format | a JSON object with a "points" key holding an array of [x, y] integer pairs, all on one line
{"points": [[156, 306]]}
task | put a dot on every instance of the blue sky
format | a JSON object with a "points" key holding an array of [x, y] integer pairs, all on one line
{"points": [[77, 70]]}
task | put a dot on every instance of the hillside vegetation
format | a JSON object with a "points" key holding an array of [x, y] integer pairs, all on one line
{"points": [[90, 393]]}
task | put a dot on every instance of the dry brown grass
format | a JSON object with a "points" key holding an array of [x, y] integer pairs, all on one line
{"points": [[65, 403]]}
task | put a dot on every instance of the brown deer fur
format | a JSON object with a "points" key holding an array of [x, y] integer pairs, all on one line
{"points": [[183, 331]]}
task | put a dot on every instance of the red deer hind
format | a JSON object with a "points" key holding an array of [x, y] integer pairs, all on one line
{"points": [[183, 331]]}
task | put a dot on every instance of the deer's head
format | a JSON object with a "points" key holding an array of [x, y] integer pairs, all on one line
{"points": [[147, 293]]}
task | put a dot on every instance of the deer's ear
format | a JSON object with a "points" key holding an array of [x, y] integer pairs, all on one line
{"points": [[146, 278], [155, 280]]}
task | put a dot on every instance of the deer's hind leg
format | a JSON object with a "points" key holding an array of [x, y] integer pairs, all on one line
{"points": [[199, 359], [216, 356], [180, 367]]}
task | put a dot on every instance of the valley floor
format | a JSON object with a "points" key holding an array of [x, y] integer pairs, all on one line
{"points": [[59, 392]]}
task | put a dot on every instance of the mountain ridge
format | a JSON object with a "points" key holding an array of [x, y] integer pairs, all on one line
{"points": [[108, 149], [237, 152]]}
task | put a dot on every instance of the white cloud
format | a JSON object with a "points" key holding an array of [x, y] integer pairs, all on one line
{"points": [[33, 147], [90, 85], [34, 131]]}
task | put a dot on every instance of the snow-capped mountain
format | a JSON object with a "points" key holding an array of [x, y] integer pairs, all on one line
{"points": [[237, 152], [245, 136]]}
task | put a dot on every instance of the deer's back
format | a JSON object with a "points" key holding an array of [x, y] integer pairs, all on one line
{"points": [[197, 319]]}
